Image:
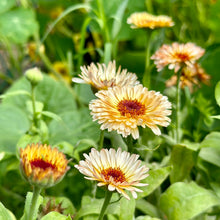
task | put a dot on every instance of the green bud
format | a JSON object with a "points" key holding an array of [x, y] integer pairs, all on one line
{"points": [[34, 75]]}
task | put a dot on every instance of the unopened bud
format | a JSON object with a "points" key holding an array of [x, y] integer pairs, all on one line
{"points": [[34, 75]]}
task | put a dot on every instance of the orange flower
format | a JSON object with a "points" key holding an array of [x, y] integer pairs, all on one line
{"points": [[190, 76], [177, 55], [125, 108], [43, 166], [146, 20], [103, 77], [115, 169]]}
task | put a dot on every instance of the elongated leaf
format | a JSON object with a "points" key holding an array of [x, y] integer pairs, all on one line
{"points": [[217, 93], [147, 208], [5, 213], [186, 200], [182, 160], [155, 178], [18, 25], [146, 218]]}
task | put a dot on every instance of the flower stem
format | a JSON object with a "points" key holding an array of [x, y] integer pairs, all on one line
{"points": [[101, 139], [33, 105], [33, 207], [178, 103], [147, 73], [108, 195]]}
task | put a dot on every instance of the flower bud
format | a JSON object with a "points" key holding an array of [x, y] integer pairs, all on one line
{"points": [[34, 75]]}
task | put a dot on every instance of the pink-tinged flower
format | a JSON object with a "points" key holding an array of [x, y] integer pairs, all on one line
{"points": [[146, 20], [125, 108], [177, 55], [117, 170], [102, 77]]}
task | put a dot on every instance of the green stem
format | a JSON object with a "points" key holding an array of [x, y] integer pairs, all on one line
{"points": [[178, 102], [33, 207], [101, 139], [33, 105], [108, 195], [147, 73]]}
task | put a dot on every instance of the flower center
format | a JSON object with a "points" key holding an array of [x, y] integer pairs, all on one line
{"points": [[182, 56], [42, 164], [131, 108], [115, 173]]}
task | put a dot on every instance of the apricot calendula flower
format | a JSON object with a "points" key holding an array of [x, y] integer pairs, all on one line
{"points": [[146, 20], [101, 77], [42, 166], [115, 169], [190, 76], [125, 108], [177, 55]]}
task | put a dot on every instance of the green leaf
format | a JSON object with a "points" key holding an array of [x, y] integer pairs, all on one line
{"points": [[18, 25], [55, 216], [15, 93], [147, 208], [155, 178], [210, 150], [186, 200], [146, 218], [55, 96], [13, 124], [216, 116], [182, 160], [217, 93], [127, 208], [5, 5], [51, 115], [5, 213]]}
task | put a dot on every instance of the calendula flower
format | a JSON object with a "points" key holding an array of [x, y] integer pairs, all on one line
{"points": [[190, 76], [177, 55], [115, 169], [32, 51], [146, 20], [43, 166], [101, 77], [125, 108]]}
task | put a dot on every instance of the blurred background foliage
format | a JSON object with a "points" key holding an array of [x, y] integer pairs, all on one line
{"points": [[60, 36]]}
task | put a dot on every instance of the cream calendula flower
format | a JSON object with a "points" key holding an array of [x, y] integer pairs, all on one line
{"points": [[102, 77], [43, 166], [116, 169], [125, 108], [146, 20], [177, 55]]}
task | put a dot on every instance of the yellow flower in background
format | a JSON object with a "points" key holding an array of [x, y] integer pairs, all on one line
{"points": [[56, 12], [62, 69], [115, 169], [146, 20], [32, 51], [177, 55], [125, 108], [101, 77], [190, 76], [42, 166]]}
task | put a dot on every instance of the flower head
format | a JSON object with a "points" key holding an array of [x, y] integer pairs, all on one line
{"points": [[125, 108], [146, 20], [34, 75], [101, 77], [116, 169], [62, 69], [190, 76], [43, 166], [177, 55]]}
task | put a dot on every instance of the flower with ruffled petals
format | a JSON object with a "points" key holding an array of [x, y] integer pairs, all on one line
{"points": [[115, 169], [190, 76], [177, 55], [125, 108], [42, 166], [101, 77], [146, 20]]}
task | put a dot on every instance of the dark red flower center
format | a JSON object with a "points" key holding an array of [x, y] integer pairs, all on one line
{"points": [[115, 173], [42, 164], [131, 108], [182, 56]]}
